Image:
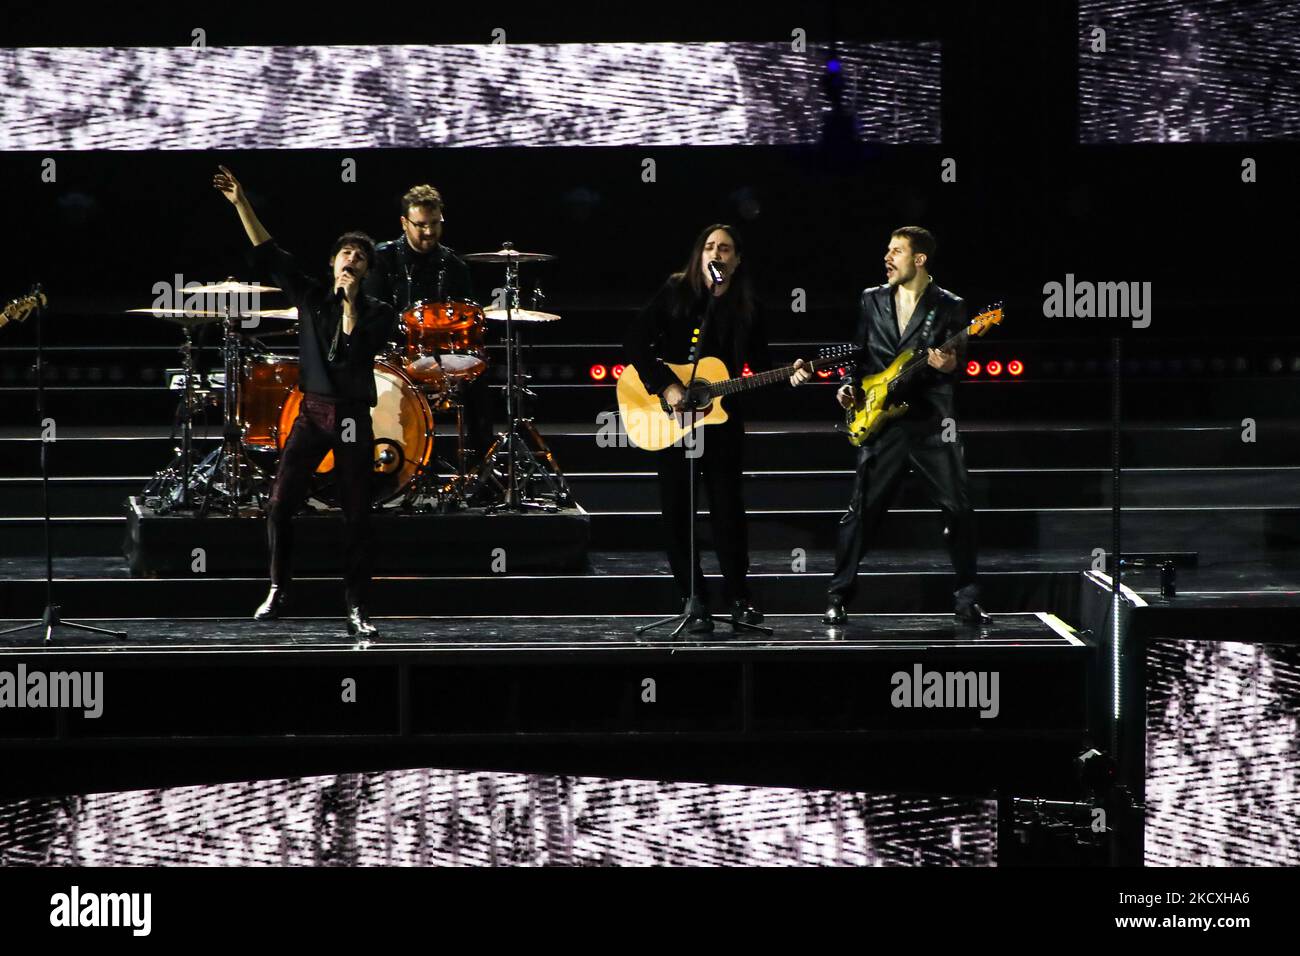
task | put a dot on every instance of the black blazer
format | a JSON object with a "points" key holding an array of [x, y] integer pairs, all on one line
{"points": [[938, 316], [403, 277], [350, 376], [661, 332]]}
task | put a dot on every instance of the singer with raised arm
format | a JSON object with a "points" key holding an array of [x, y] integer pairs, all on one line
{"points": [[340, 329], [706, 309]]}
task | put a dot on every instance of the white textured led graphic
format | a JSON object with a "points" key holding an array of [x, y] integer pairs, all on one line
{"points": [[1223, 754], [451, 818], [1188, 71], [581, 94]]}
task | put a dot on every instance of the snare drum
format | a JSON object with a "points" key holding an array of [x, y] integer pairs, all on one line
{"points": [[444, 340]]}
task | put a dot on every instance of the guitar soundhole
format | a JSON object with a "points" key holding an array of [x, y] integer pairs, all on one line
{"points": [[698, 396]]}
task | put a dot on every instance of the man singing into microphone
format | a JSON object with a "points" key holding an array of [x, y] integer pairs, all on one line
{"points": [[339, 331], [910, 311], [665, 331]]}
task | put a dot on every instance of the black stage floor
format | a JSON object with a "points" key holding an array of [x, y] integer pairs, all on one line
{"points": [[433, 634]]}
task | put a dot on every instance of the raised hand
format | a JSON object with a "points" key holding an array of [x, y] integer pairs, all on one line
{"points": [[224, 181]]}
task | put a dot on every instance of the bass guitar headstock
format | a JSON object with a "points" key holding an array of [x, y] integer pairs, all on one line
{"points": [[20, 308]]}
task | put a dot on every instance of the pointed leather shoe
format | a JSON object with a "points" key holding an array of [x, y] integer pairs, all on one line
{"points": [[277, 599]]}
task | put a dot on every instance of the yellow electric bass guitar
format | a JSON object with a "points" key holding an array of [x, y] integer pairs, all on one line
{"points": [[652, 425], [880, 404], [18, 309]]}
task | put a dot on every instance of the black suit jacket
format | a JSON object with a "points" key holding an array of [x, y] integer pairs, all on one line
{"points": [[329, 363], [403, 277], [938, 315], [661, 332]]}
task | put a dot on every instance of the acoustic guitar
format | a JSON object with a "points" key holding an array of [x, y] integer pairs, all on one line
{"points": [[651, 424]]}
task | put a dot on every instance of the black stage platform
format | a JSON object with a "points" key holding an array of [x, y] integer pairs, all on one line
{"points": [[583, 691]]}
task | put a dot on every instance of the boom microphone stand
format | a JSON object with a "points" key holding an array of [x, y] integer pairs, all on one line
{"points": [[50, 619], [693, 401]]}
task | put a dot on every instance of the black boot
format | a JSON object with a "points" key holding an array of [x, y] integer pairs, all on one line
{"points": [[277, 599], [835, 615], [699, 621], [744, 612], [972, 614], [358, 624]]}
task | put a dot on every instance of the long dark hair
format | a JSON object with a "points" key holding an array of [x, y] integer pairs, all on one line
{"points": [[692, 286]]}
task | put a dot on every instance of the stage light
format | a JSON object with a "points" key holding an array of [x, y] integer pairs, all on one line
{"points": [[597, 373], [1275, 363], [745, 371], [617, 371], [1015, 367], [972, 368], [994, 367], [833, 65]]}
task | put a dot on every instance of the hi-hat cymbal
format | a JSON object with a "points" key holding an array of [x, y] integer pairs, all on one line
{"points": [[520, 315], [186, 317], [196, 317], [507, 254]]}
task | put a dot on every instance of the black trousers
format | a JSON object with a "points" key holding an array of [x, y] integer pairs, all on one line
{"points": [[478, 398], [319, 428], [719, 471], [941, 466]]}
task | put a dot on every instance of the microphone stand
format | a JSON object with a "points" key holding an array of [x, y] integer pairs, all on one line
{"points": [[50, 618], [694, 411]]}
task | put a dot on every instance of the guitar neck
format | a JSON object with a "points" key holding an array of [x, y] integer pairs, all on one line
{"points": [[921, 360], [741, 383]]}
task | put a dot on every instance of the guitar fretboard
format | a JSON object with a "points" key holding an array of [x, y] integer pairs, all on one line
{"points": [[740, 383]]}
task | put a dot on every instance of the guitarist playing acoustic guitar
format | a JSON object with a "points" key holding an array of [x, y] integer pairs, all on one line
{"points": [[909, 311], [714, 282]]}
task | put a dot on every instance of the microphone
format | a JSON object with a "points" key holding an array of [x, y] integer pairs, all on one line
{"points": [[715, 271], [339, 294]]}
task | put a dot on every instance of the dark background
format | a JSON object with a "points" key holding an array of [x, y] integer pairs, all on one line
{"points": [[1029, 204]]}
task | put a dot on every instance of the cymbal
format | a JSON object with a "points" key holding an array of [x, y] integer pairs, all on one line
{"points": [[507, 254], [521, 315], [186, 317], [195, 317], [226, 287]]}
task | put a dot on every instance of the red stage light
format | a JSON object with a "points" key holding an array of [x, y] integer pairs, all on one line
{"points": [[972, 367], [745, 370], [617, 371], [597, 372], [994, 367], [1015, 367]]}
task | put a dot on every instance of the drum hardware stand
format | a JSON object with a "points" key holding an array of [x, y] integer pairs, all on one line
{"points": [[164, 486], [50, 617], [227, 460], [510, 452], [692, 558], [427, 493]]}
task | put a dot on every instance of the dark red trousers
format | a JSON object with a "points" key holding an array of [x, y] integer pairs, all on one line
{"points": [[320, 428]]}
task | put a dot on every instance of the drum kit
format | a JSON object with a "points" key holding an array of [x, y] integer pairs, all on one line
{"points": [[440, 348]]}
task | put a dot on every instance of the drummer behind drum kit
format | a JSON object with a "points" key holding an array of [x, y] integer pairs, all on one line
{"points": [[441, 349]]}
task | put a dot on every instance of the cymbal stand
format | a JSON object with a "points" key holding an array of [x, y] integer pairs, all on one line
{"points": [[169, 489], [510, 455], [228, 460]]}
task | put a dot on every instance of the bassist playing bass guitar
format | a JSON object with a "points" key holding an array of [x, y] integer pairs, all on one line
{"points": [[910, 311]]}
